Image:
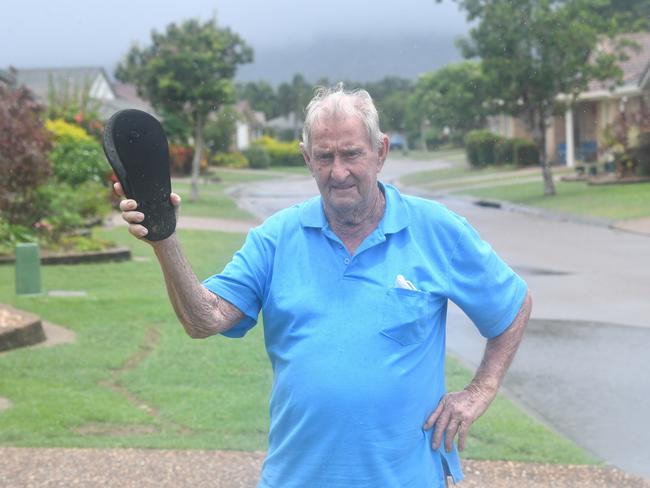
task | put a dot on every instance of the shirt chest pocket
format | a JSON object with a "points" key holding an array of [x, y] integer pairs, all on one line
{"points": [[407, 315]]}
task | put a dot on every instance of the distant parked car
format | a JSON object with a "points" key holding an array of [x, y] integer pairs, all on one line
{"points": [[398, 142]]}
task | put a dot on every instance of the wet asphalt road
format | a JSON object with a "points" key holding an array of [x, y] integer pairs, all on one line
{"points": [[584, 365], [589, 381]]}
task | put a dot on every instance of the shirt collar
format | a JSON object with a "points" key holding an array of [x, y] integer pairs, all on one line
{"points": [[396, 216]]}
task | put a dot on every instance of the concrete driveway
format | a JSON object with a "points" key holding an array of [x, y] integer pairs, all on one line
{"points": [[583, 367]]}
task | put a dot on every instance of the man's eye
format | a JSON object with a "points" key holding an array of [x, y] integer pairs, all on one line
{"points": [[351, 155], [324, 158]]}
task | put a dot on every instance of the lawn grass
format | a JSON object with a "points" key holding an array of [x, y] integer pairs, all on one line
{"points": [[213, 200], [205, 394], [134, 379], [525, 187], [615, 202]]}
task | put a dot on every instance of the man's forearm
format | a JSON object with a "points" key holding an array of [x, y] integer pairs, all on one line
{"points": [[201, 312], [457, 411], [498, 355]]}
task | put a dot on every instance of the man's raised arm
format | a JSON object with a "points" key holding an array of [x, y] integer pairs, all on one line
{"points": [[201, 312]]}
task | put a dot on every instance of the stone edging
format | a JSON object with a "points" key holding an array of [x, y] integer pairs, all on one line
{"points": [[23, 329], [113, 254]]}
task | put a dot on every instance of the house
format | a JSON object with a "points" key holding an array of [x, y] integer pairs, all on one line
{"points": [[79, 83], [249, 125], [287, 126], [579, 132], [8, 77]]}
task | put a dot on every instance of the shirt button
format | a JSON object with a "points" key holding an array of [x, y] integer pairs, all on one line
{"points": [[346, 260]]}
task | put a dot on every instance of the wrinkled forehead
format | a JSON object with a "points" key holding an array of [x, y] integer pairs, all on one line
{"points": [[338, 129]]}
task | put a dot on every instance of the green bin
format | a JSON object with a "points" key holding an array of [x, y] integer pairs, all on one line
{"points": [[28, 269]]}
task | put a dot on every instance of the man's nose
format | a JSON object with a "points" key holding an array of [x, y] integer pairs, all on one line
{"points": [[339, 169]]}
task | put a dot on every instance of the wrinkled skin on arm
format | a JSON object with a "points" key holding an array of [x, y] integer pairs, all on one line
{"points": [[201, 312], [457, 411]]}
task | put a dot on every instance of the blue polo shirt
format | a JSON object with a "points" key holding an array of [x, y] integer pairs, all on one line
{"points": [[358, 364]]}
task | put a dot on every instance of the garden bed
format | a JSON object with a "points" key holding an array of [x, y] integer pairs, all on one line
{"points": [[19, 329], [112, 254], [612, 179]]}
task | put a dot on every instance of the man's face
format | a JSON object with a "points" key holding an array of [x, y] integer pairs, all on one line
{"points": [[344, 164]]}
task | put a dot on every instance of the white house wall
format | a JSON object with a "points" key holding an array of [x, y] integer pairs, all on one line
{"points": [[101, 90]]}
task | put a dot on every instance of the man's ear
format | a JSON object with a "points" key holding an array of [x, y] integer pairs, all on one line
{"points": [[306, 157], [382, 152]]}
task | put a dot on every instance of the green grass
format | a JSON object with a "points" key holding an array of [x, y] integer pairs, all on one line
{"points": [[209, 394], [525, 186], [615, 202], [213, 200]]}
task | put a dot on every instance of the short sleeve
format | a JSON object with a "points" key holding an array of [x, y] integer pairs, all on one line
{"points": [[482, 285], [243, 281]]}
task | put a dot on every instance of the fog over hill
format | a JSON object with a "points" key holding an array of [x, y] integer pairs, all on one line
{"points": [[354, 59]]}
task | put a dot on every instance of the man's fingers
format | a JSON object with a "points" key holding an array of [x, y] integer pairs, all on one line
{"points": [[450, 433], [127, 205], [138, 231], [434, 416], [463, 431], [441, 424], [133, 217], [175, 198], [117, 186]]}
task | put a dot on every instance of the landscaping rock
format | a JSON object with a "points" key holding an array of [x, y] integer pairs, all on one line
{"points": [[19, 329]]}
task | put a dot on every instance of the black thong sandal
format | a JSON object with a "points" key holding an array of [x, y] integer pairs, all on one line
{"points": [[136, 148]]}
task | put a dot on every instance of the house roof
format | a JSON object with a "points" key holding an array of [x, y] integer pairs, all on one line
{"points": [[635, 68], [252, 117], [111, 96], [7, 76], [285, 122], [73, 79]]}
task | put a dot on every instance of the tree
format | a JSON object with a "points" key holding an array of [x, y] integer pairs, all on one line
{"points": [[294, 96], [188, 71], [534, 50], [24, 163], [261, 97], [453, 96], [390, 95]]}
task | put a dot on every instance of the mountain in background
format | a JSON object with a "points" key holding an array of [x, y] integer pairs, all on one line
{"points": [[364, 59]]}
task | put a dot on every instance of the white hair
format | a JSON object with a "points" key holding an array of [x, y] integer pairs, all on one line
{"points": [[333, 102]]}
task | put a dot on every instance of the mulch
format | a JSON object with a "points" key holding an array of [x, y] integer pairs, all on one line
{"points": [[142, 468]]}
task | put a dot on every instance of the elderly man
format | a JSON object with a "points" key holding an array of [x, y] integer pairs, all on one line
{"points": [[353, 287]]}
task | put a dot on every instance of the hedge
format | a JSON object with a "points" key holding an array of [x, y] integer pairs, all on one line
{"points": [[282, 153], [485, 148]]}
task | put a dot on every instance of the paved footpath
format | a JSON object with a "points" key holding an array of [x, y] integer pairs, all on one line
{"points": [[141, 468]]}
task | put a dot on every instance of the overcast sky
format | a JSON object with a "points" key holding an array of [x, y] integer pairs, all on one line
{"points": [[62, 33]]}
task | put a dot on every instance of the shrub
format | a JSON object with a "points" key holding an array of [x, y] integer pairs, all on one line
{"points": [[258, 157], [480, 147], [64, 130], [230, 160], [12, 234], [505, 151], [526, 153], [282, 153], [76, 161], [180, 158], [64, 208], [24, 165]]}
